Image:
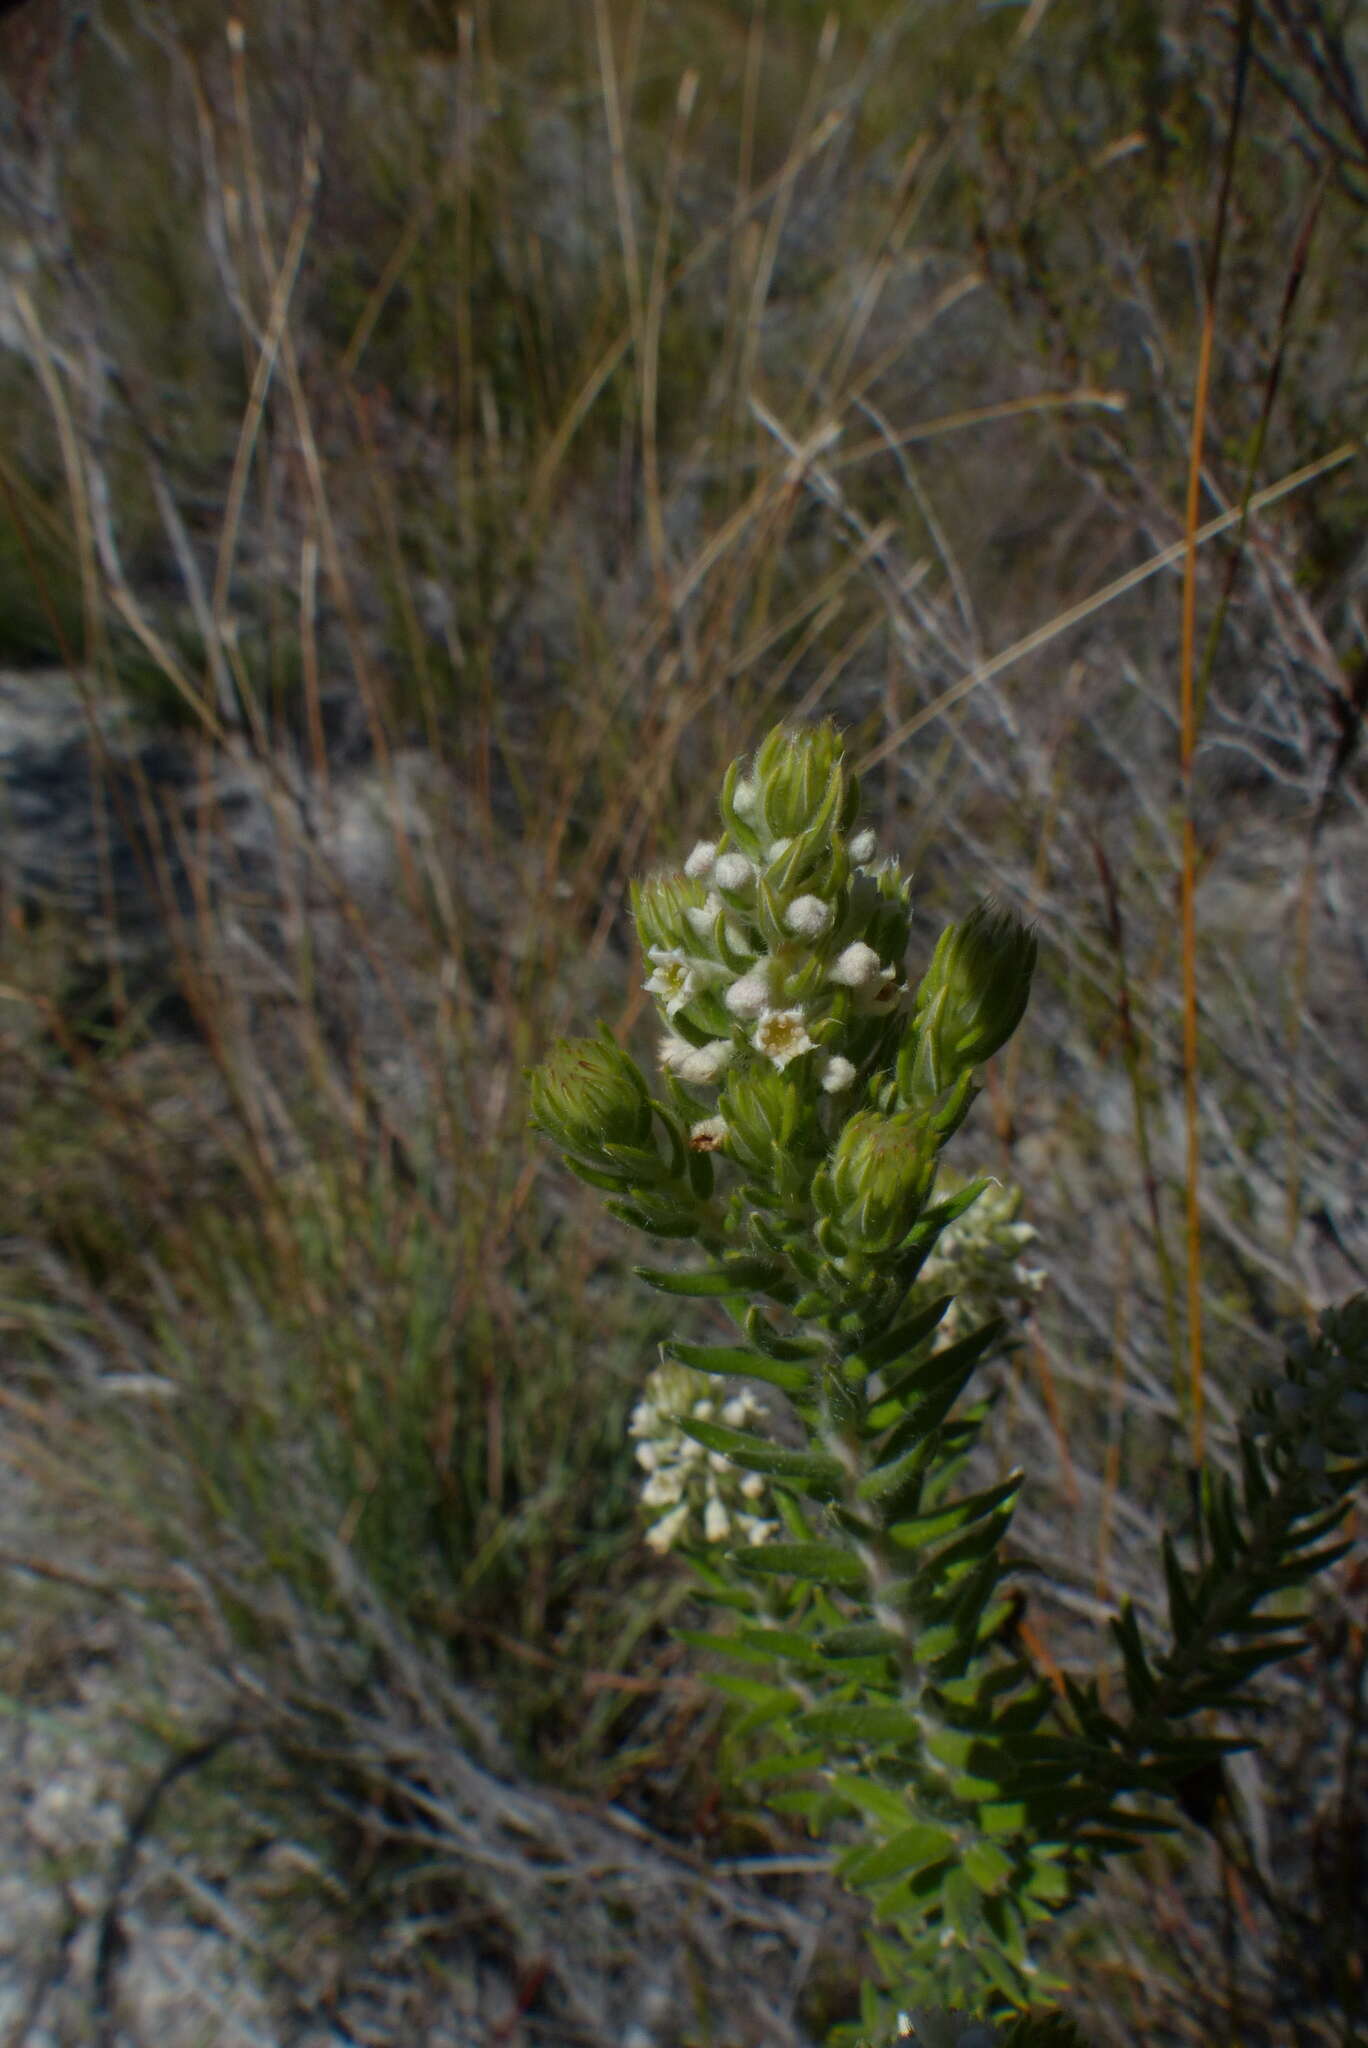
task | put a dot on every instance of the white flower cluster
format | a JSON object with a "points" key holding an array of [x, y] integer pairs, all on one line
{"points": [[771, 995], [978, 1260], [691, 1490]]}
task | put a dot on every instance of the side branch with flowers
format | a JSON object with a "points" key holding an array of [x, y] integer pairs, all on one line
{"points": [[807, 1097]]}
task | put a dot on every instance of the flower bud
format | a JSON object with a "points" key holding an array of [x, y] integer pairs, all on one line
{"points": [[589, 1095], [881, 1173], [975, 991], [762, 1109], [796, 783]]}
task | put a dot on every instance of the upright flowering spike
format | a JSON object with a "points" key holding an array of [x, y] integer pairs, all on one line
{"points": [[589, 1095]]}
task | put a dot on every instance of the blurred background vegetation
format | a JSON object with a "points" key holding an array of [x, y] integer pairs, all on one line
{"points": [[436, 440]]}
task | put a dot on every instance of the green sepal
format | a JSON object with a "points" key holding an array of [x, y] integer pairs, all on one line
{"points": [[810, 1472], [736, 1361]]}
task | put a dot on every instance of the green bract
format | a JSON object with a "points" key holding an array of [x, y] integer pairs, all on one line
{"points": [[880, 1176], [589, 1096], [861, 1571]]}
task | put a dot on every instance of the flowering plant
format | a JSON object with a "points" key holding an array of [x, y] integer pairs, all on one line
{"points": [[808, 1092]]}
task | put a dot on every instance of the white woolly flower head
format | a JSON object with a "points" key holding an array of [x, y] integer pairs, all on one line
{"points": [[862, 848], [837, 1075]]}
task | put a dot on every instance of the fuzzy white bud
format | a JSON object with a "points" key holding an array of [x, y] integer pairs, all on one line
{"points": [[748, 996], [808, 916], [733, 871], [862, 847], [701, 860], [857, 967], [837, 1075], [703, 1063]]}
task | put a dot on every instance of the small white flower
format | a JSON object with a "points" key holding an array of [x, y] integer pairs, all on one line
{"points": [[716, 1521], [648, 1456], [837, 1075], [709, 1134], [781, 1035], [744, 799], [862, 847], [753, 1486], [702, 1411], [733, 871], [717, 1462], [808, 916], [857, 967], [748, 996], [662, 1535], [663, 1489], [701, 859], [703, 1063], [756, 1529], [736, 1411], [675, 977]]}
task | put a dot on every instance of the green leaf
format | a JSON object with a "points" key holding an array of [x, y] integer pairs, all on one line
{"points": [[662, 1222], [1182, 1613], [826, 1564], [1141, 1683], [904, 1337], [763, 1770], [897, 1483], [860, 1639], [859, 1722], [754, 1692], [738, 1361], [879, 1802], [809, 1472], [910, 1850], [924, 1530], [741, 1276], [987, 1866]]}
